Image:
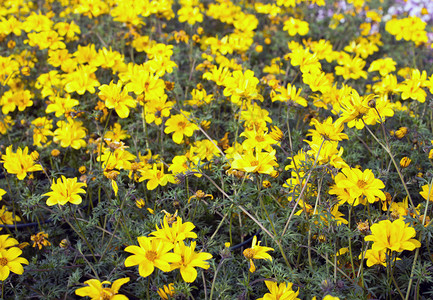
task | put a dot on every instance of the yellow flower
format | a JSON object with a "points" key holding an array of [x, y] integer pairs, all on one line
{"points": [[242, 86], [329, 297], [19, 163], [259, 139], [218, 74], [427, 192], [70, 133], [200, 195], [375, 257], [156, 177], [64, 191], [401, 132], [180, 125], [260, 162], [6, 242], [289, 94], [117, 98], [11, 262], [157, 109], [61, 106], [295, 26], [41, 131], [383, 65], [116, 133], [360, 184], [13, 99], [96, 290], [351, 67], [396, 236], [413, 87], [257, 252], [166, 292], [327, 130], [150, 254], [189, 260], [190, 14], [279, 292], [143, 81], [82, 80], [140, 203], [405, 162], [7, 217], [176, 233]]}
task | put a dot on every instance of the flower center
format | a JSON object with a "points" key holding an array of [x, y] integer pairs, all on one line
{"points": [[3, 261], [361, 184], [181, 125], [249, 253], [107, 294], [151, 255], [255, 163], [199, 194]]}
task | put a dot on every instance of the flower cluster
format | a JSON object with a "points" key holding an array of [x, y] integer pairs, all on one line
{"points": [[197, 128], [155, 251]]}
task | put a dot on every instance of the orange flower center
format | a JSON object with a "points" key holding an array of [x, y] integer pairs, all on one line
{"points": [[361, 184], [107, 294], [3, 261], [151, 255], [181, 125], [249, 253], [255, 163]]}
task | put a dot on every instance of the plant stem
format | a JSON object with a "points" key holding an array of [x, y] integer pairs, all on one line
{"points": [[302, 190]]}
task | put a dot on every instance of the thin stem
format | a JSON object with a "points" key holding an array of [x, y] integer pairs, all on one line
{"points": [[240, 207], [420, 238], [219, 226], [387, 149], [302, 190], [350, 241], [214, 278], [82, 233]]}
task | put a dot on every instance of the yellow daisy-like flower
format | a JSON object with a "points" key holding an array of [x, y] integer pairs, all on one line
{"points": [[181, 126], [150, 254], [427, 192], [20, 163], [279, 292], [96, 290], [6, 241], [64, 191], [359, 184], [257, 252], [11, 262], [375, 257], [189, 260], [7, 217], [175, 233], [261, 162], [70, 133], [328, 130], [396, 236], [117, 98]]}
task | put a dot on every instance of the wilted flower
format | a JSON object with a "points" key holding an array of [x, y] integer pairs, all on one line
{"points": [[40, 240]]}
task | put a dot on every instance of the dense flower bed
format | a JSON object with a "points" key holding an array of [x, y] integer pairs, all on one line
{"points": [[216, 149]]}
